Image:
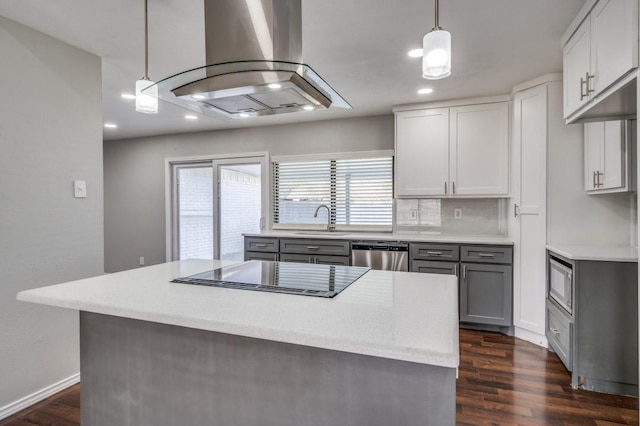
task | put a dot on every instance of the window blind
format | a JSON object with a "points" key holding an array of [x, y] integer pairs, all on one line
{"points": [[357, 191]]}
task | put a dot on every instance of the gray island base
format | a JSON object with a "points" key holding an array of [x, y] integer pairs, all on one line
{"points": [[150, 374]]}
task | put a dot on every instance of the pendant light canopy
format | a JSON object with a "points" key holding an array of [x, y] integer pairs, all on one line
{"points": [[146, 102], [436, 47]]}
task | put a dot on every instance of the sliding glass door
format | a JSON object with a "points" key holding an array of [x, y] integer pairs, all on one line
{"points": [[214, 203]]}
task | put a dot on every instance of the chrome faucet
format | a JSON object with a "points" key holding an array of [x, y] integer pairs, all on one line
{"points": [[330, 226]]}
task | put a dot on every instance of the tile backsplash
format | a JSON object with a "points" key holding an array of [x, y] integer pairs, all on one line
{"points": [[481, 216]]}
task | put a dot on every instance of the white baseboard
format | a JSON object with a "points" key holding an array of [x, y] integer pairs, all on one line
{"points": [[38, 396], [530, 336]]}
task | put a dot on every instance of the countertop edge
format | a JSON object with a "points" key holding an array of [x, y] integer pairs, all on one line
{"points": [[594, 253], [447, 360], [408, 237]]}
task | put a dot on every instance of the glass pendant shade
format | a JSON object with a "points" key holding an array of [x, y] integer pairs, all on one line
{"points": [[146, 102], [436, 59]]}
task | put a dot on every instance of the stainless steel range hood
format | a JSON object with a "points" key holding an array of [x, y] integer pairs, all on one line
{"points": [[254, 52]]}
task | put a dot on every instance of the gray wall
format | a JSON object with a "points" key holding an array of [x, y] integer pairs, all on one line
{"points": [[50, 134], [135, 174], [573, 216]]}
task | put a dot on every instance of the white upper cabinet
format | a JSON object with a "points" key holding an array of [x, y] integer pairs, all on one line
{"points": [[422, 152], [614, 42], [479, 150], [600, 52], [457, 151], [606, 157], [576, 63]]}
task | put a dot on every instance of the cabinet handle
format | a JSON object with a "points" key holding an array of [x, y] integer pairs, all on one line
{"points": [[455, 269], [486, 255], [312, 247], [453, 187], [445, 188], [516, 213], [261, 245], [582, 83], [434, 253], [595, 185], [554, 331], [589, 77], [598, 174], [464, 272], [310, 259]]}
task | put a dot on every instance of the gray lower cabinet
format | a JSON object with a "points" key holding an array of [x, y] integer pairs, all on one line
{"points": [[251, 255], [261, 248], [434, 267], [308, 258], [300, 250], [486, 294], [598, 340], [485, 279]]}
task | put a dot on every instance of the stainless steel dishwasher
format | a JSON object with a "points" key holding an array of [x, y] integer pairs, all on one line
{"points": [[382, 255]]}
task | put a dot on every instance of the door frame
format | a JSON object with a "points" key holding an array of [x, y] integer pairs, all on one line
{"points": [[171, 231]]}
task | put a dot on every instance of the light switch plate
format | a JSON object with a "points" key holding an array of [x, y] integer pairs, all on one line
{"points": [[457, 213], [80, 189]]}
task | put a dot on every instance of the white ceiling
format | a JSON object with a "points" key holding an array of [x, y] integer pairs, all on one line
{"points": [[357, 46]]}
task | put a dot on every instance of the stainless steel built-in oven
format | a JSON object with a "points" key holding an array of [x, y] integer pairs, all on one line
{"points": [[561, 283]]}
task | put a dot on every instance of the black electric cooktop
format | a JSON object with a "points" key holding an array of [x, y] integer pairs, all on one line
{"points": [[280, 277]]}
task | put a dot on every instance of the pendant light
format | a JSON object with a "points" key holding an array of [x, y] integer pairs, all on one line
{"points": [[436, 47], [146, 102]]}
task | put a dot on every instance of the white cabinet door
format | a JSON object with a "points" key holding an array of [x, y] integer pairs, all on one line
{"points": [[605, 157], [576, 64], [422, 152], [593, 145], [613, 156], [479, 149], [614, 42], [529, 195]]}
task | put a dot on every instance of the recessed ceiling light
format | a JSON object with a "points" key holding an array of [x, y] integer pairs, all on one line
{"points": [[198, 96], [308, 107], [274, 86], [425, 91], [415, 53], [128, 96], [243, 115], [191, 117], [110, 125]]}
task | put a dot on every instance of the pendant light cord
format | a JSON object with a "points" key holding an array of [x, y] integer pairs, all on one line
{"points": [[146, 41], [437, 26]]}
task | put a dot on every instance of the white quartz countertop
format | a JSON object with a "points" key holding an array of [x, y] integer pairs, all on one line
{"points": [[397, 315], [387, 236], [599, 253]]}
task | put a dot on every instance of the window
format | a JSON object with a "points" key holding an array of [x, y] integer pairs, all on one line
{"points": [[358, 191]]}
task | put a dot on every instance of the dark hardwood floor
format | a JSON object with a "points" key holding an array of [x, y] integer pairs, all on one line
{"points": [[503, 381]]}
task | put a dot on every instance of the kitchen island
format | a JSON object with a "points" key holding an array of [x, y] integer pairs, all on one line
{"points": [[384, 351]]}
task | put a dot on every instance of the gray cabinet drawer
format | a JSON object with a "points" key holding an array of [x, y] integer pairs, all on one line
{"points": [[269, 245], [319, 247], [253, 255], [487, 254], [560, 334], [424, 251], [322, 259], [433, 267], [298, 258]]}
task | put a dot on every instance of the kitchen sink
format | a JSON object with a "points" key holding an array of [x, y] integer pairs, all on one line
{"points": [[321, 233]]}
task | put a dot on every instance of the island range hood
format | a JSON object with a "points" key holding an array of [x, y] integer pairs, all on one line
{"points": [[255, 68]]}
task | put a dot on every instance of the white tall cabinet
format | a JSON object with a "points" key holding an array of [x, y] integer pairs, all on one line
{"points": [[528, 225]]}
